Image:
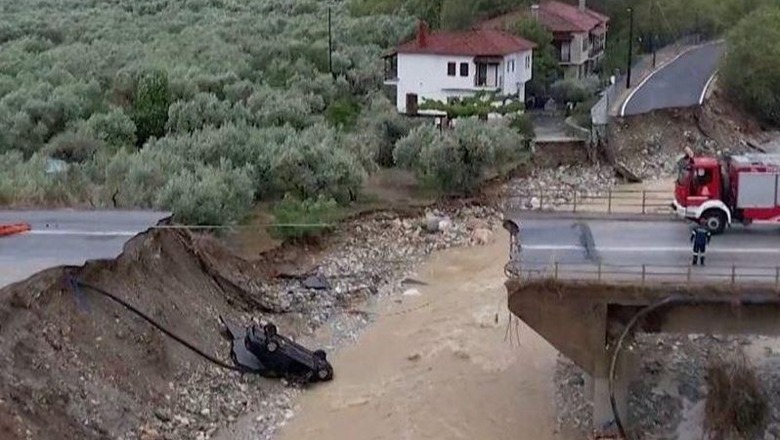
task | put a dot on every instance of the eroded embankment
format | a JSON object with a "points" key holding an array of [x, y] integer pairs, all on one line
{"points": [[96, 371]]}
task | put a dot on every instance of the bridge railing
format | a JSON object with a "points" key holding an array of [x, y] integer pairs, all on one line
{"points": [[607, 202], [646, 274]]}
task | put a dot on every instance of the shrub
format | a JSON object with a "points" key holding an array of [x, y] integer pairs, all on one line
{"points": [[208, 195], [204, 109], [73, 147], [736, 406], [574, 91], [150, 106], [114, 128], [315, 162], [307, 218], [751, 67], [523, 125], [407, 150], [459, 160]]}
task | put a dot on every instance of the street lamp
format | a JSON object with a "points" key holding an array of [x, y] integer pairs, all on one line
{"points": [[630, 45]]}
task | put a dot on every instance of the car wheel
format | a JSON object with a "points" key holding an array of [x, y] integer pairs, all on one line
{"points": [[270, 329], [714, 220], [324, 374], [272, 346], [320, 354]]}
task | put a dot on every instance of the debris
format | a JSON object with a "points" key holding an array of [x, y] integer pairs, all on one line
{"points": [[316, 282], [411, 292], [264, 351]]}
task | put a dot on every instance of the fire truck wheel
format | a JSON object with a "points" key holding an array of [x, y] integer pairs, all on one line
{"points": [[714, 220]]}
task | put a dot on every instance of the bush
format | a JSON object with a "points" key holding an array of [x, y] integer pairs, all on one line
{"points": [[736, 406], [150, 106], [751, 67], [460, 159], [383, 127], [208, 195], [574, 91], [73, 147], [114, 128], [523, 125], [316, 214], [314, 162]]}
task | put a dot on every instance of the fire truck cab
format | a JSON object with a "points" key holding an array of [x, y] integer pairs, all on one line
{"points": [[730, 189]]}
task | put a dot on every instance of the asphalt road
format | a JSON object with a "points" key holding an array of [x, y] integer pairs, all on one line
{"points": [[67, 237], [681, 83], [622, 247]]}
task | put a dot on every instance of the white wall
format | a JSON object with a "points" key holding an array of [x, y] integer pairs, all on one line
{"points": [[579, 56], [515, 79], [426, 76]]}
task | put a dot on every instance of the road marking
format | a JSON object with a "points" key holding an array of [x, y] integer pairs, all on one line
{"points": [[83, 233], [639, 249], [707, 86], [647, 78]]}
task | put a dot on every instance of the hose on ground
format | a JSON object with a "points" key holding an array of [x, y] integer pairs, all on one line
{"points": [[78, 284]]}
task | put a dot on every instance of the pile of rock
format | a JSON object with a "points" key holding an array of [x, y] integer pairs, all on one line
{"points": [[551, 188]]}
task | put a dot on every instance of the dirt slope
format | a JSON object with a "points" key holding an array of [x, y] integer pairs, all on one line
{"points": [[66, 373]]}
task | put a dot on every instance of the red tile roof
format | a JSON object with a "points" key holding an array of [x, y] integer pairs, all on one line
{"points": [[555, 16], [477, 42]]}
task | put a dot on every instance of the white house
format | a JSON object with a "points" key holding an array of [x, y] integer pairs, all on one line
{"points": [[443, 65]]}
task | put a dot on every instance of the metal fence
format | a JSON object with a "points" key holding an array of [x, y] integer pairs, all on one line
{"points": [[644, 274], [605, 202]]}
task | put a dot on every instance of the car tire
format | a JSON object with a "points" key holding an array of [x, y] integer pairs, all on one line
{"points": [[270, 330], [272, 346], [320, 354], [324, 374], [714, 220]]}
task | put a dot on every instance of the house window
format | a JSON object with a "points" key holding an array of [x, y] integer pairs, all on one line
{"points": [[451, 69], [585, 44], [464, 69], [528, 61], [565, 52]]}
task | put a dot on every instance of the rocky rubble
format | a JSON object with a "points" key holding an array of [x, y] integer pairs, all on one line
{"points": [[671, 385], [550, 188], [374, 252]]}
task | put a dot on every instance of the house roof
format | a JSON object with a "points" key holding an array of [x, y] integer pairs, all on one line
{"points": [[555, 16], [476, 42]]}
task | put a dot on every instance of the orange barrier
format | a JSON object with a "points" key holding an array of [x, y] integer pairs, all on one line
{"points": [[12, 229]]}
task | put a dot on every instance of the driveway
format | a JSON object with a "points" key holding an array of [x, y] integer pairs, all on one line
{"points": [[680, 83]]}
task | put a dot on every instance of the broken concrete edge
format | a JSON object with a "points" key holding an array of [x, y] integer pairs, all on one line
{"points": [[567, 215]]}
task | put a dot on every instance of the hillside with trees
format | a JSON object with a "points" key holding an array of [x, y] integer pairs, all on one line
{"points": [[202, 107], [207, 107]]}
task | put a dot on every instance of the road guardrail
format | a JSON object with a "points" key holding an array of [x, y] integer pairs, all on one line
{"points": [[608, 202], [646, 274]]}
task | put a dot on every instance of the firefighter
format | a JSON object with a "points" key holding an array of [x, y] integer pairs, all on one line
{"points": [[700, 237]]}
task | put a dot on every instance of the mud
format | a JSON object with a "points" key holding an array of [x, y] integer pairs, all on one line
{"points": [[442, 360]]}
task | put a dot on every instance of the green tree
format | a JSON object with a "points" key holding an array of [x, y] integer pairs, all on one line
{"points": [[545, 69], [150, 106], [458, 14], [751, 67]]}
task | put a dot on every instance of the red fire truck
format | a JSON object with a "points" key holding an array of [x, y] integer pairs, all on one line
{"points": [[731, 189]]}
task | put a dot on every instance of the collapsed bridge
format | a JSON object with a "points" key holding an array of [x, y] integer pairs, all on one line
{"points": [[586, 287]]}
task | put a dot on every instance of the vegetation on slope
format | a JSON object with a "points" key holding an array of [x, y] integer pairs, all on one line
{"points": [[203, 107]]}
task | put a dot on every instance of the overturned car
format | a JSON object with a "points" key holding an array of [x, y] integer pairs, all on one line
{"points": [[262, 350]]}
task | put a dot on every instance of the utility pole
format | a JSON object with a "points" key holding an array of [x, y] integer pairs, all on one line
{"points": [[630, 45], [655, 48], [330, 45]]}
